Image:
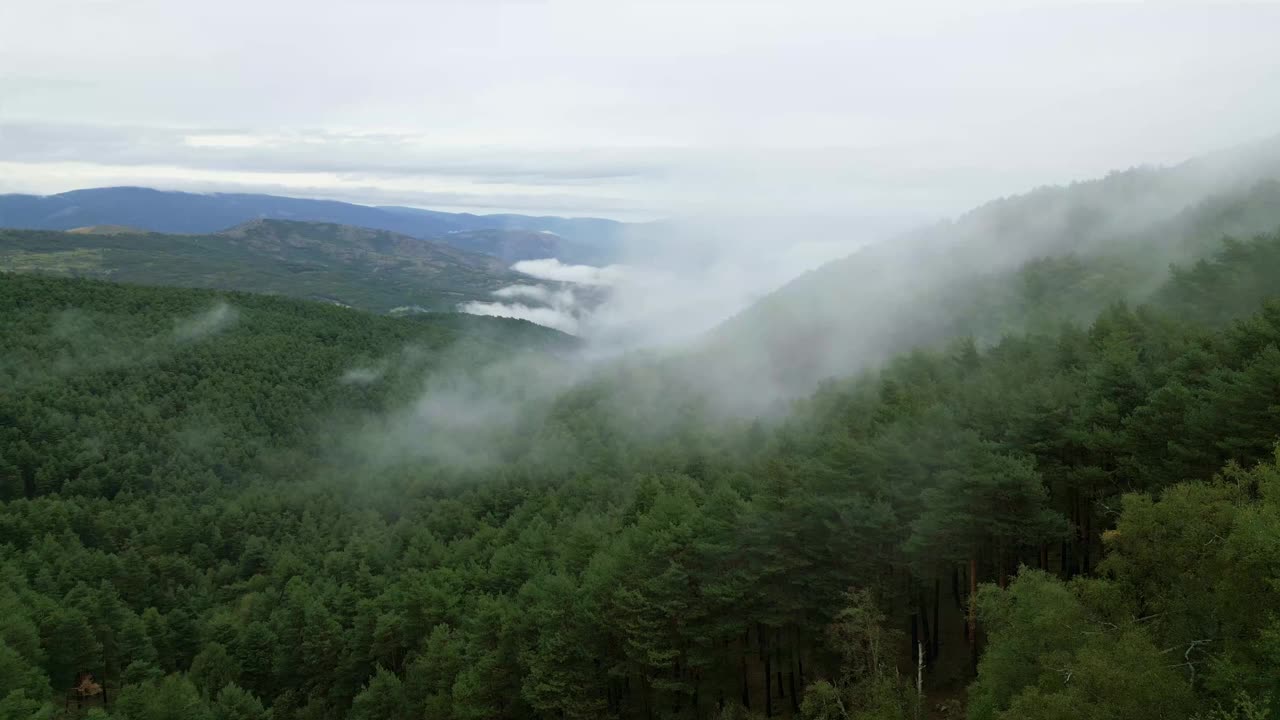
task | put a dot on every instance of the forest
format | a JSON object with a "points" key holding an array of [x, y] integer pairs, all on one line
{"points": [[373, 270], [1074, 520]]}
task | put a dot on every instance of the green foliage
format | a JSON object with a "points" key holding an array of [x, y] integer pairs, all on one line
{"points": [[182, 516], [382, 699], [982, 499], [171, 698], [236, 703], [1184, 614], [214, 668], [1052, 655], [373, 270], [1242, 708], [867, 686], [19, 705], [23, 687]]}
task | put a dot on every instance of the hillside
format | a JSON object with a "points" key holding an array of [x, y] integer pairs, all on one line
{"points": [[190, 379], [204, 213], [193, 508], [371, 269], [106, 230], [1026, 262], [510, 246], [1062, 464]]}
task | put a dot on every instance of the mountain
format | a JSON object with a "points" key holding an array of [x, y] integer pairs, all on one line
{"points": [[585, 239], [227, 503], [256, 507], [509, 245], [1028, 262], [107, 230], [232, 367], [371, 269]]}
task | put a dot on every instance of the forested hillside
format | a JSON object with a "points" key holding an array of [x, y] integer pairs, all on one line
{"points": [[113, 388], [182, 517], [369, 269], [1021, 263]]}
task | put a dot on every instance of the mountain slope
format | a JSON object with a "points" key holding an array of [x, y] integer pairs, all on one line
{"points": [[370, 269], [1052, 255], [183, 511], [180, 375], [508, 245], [181, 212]]}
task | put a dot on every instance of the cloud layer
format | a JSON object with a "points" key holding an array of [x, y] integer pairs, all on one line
{"points": [[625, 109]]}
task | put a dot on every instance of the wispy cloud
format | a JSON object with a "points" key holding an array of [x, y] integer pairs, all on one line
{"points": [[556, 271]]}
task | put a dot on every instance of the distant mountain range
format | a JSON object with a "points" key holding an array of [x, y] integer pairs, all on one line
{"points": [[571, 240], [371, 269]]}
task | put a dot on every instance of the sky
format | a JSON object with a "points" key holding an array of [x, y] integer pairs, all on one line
{"points": [[630, 110]]}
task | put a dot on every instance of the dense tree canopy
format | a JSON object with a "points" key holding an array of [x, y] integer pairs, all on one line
{"points": [[180, 519]]}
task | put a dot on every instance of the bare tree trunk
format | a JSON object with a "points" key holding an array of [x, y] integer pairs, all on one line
{"points": [[919, 679], [937, 627]]}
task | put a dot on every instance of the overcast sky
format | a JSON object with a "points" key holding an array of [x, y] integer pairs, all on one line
{"points": [[624, 109]]}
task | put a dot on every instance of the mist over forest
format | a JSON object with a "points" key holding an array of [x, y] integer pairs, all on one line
{"points": [[633, 361]]}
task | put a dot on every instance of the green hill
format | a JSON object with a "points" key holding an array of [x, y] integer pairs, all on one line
{"points": [[178, 517], [1029, 262], [1055, 495], [508, 245], [374, 270], [114, 387]]}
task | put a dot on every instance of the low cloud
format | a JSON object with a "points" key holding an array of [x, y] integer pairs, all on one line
{"points": [[563, 307], [81, 342], [463, 413], [210, 322], [562, 317], [556, 271], [535, 292], [678, 279]]}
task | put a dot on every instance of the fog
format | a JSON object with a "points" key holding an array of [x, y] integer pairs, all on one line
{"points": [[814, 186], [679, 278], [745, 315], [84, 346]]}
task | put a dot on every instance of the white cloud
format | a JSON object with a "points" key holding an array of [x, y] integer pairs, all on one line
{"points": [[557, 318], [628, 108], [210, 322], [536, 293], [556, 271]]}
